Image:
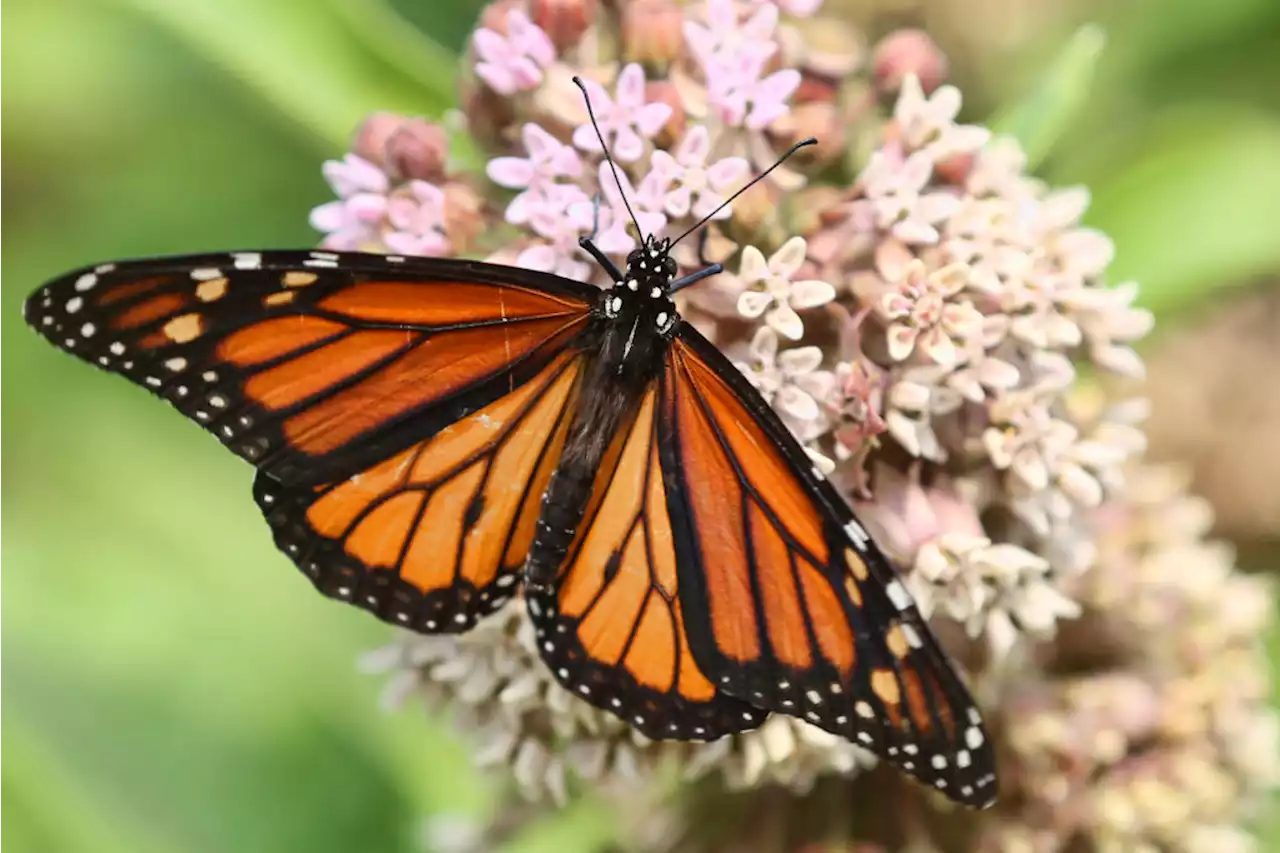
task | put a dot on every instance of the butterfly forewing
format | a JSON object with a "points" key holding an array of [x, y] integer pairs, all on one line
{"points": [[788, 604], [314, 365]]}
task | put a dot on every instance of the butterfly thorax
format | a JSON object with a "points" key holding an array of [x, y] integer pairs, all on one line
{"points": [[637, 314]]}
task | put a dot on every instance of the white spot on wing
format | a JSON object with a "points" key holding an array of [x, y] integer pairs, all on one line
{"points": [[898, 594], [857, 533], [913, 638]]}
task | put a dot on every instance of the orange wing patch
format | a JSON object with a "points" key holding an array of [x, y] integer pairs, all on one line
{"points": [[788, 605], [612, 629], [312, 365], [403, 302], [434, 537]]}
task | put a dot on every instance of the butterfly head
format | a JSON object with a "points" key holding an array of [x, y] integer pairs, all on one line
{"points": [[643, 295]]}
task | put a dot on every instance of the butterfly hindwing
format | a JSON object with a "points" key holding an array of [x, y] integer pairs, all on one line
{"points": [[436, 536], [313, 365], [788, 604], [610, 627]]}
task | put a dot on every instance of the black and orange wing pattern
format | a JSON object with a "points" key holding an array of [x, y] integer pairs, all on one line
{"points": [[436, 536], [405, 414], [788, 604], [611, 627], [313, 365]]}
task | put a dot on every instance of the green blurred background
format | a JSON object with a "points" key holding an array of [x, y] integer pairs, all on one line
{"points": [[169, 684]]}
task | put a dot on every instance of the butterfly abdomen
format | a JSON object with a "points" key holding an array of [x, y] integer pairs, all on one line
{"points": [[608, 398]]}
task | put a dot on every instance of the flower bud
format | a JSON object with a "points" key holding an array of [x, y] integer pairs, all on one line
{"points": [[652, 31], [563, 20], [417, 149], [494, 16], [665, 92], [489, 115], [819, 119], [371, 137], [904, 52], [464, 215]]}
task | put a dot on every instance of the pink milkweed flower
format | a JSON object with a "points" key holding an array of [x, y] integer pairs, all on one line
{"points": [[514, 62], [626, 119]]}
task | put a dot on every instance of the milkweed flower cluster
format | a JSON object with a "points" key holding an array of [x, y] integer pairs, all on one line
{"points": [[922, 317]]}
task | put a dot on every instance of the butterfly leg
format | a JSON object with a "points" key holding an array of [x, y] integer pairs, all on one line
{"points": [[695, 277]]}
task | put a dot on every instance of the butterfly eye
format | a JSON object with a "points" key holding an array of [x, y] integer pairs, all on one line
{"points": [[669, 264]]}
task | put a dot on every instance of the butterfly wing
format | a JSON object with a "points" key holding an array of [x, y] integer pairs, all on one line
{"points": [[405, 414], [610, 627], [788, 603], [312, 365], [435, 536]]}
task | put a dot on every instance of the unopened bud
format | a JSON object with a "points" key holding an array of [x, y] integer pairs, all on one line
{"points": [[904, 52], [371, 136], [666, 92], [652, 31], [464, 215], [564, 21], [417, 149], [494, 16]]}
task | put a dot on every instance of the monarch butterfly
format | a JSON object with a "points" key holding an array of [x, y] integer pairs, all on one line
{"points": [[434, 436]]}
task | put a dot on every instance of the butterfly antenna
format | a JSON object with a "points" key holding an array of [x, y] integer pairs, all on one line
{"points": [[787, 154], [607, 156]]}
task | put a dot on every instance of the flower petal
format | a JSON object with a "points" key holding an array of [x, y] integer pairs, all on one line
{"points": [[627, 145], [510, 172], [938, 346], [630, 87], [901, 340], [497, 76], [695, 147], [811, 293], [584, 137], [786, 321], [788, 258], [727, 172], [752, 266], [329, 216], [764, 345], [800, 360], [650, 118], [796, 403]]}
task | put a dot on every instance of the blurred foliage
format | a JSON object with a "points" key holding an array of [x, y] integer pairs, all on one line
{"points": [[168, 685]]}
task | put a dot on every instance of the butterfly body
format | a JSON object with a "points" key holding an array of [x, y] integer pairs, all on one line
{"points": [[434, 438], [632, 328]]}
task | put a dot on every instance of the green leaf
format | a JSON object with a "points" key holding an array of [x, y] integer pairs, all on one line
{"points": [[308, 60], [1041, 118], [1192, 209]]}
